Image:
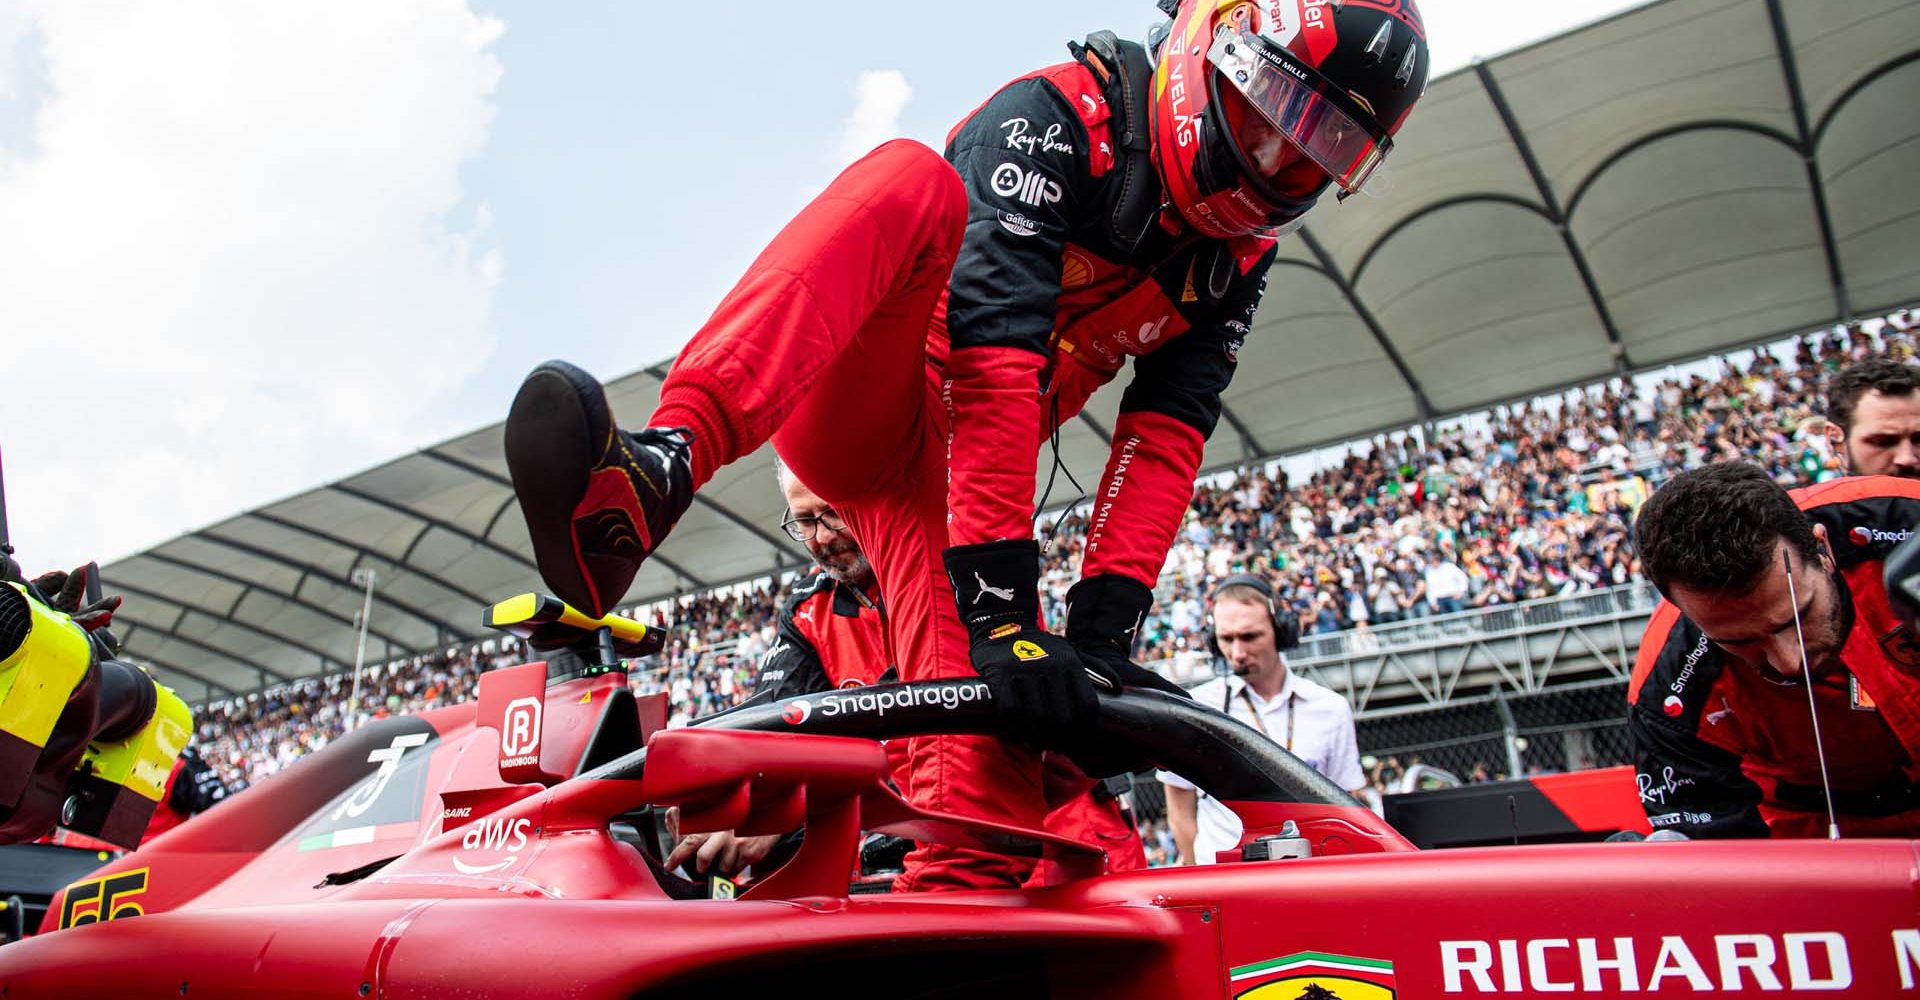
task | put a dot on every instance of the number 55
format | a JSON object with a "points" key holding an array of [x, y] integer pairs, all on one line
{"points": [[104, 898]]}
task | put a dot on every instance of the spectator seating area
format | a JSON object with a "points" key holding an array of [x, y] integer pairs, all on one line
{"points": [[1522, 502]]}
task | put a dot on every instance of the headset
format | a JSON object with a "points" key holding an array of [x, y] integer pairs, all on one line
{"points": [[1286, 628]]}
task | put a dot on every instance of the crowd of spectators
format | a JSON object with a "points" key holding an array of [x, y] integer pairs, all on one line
{"points": [[1524, 502], [250, 738], [1519, 503]]}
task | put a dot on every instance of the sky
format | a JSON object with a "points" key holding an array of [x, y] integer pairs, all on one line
{"points": [[249, 248]]}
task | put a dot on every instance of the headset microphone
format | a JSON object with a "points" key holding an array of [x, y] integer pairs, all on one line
{"points": [[1286, 629], [1806, 677]]}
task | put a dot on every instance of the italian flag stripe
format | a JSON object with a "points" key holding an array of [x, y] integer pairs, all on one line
{"points": [[1314, 958], [357, 835]]}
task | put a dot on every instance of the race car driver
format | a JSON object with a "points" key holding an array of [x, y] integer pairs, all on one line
{"points": [[951, 315], [831, 634], [1724, 736]]}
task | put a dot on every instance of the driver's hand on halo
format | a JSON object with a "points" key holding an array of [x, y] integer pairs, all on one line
{"points": [[720, 853]]}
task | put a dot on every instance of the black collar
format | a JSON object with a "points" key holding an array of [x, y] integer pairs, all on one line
{"points": [[849, 601]]}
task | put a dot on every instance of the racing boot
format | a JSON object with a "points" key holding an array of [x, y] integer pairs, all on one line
{"points": [[597, 499]]}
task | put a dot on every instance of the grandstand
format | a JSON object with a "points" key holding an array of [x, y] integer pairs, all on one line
{"points": [[1560, 233], [1531, 502]]}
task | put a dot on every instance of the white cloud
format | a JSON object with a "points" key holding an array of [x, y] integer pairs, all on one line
{"points": [[13, 26], [1461, 30], [879, 95], [237, 261]]}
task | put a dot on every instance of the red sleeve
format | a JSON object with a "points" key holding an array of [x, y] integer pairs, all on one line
{"points": [[992, 395], [1166, 415], [1143, 495]]}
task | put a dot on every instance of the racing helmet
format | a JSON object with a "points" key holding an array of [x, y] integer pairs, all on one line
{"points": [[1259, 105]]}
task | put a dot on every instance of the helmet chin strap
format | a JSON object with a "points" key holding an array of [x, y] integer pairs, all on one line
{"points": [[1806, 679]]}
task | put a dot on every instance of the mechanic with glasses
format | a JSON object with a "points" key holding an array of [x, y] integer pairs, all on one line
{"points": [[804, 527], [832, 634]]}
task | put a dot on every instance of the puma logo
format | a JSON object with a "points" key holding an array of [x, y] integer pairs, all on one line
{"points": [[1713, 718], [1003, 593]]}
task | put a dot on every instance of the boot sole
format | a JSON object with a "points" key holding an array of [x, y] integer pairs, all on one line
{"points": [[550, 453]]}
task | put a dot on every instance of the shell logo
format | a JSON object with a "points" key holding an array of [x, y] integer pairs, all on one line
{"points": [[1075, 271]]}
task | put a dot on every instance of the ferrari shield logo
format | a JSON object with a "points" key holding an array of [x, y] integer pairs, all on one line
{"points": [[1313, 975], [1900, 647]]}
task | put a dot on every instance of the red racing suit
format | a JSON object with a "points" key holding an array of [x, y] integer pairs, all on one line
{"points": [[832, 636], [1047, 305], [827, 636], [918, 310], [1725, 750]]}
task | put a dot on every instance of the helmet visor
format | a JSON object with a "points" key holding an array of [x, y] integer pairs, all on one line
{"points": [[1320, 119]]}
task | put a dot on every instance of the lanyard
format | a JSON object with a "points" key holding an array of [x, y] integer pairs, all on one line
{"points": [[1254, 711]]}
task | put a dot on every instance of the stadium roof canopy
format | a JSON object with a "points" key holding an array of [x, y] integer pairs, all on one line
{"points": [[1686, 177]]}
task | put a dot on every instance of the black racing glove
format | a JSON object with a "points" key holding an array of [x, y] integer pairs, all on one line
{"points": [[64, 591], [1103, 619], [1040, 686]]}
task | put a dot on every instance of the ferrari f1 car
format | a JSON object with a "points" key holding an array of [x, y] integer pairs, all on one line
{"points": [[508, 848]]}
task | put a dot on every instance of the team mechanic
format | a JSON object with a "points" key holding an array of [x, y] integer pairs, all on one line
{"points": [[1873, 418], [1723, 735], [831, 636], [1093, 211]]}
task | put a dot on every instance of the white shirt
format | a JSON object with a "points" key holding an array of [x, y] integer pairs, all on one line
{"points": [[1446, 580], [1321, 725], [1186, 615]]}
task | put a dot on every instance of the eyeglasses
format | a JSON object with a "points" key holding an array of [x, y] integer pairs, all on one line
{"points": [[801, 529]]}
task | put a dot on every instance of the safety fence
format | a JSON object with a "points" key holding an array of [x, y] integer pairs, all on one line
{"points": [[1519, 649], [1570, 727], [1546, 612], [1485, 694]]}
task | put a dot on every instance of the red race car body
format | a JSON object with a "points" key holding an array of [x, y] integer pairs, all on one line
{"points": [[502, 848]]}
